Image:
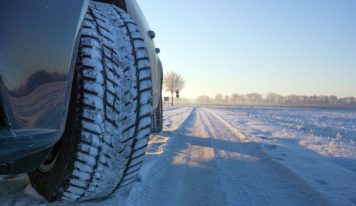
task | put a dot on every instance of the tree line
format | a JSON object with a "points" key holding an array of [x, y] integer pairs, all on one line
{"points": [[279, 100], [174, 82]]}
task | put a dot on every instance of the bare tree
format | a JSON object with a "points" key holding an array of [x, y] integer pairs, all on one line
{"points": [[234, 98], [219, 99], [227, 99], [273, 98], [333, 100], [173, 82], [254, 98], [203, 99], [241, 99]]}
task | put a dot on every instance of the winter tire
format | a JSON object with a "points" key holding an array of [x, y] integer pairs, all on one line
{"points": [[109, 117], [157, 120]]}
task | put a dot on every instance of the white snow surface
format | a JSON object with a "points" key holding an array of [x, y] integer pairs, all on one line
{"points": [[236, 156]]}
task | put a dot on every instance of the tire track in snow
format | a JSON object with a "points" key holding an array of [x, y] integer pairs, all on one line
{"points": [[260, 180], [184, 175], [174, 117]]}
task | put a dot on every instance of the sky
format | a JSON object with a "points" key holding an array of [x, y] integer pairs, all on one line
{"points": [[303, 47]]}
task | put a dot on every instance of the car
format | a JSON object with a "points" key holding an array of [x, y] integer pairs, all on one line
{"points": [[80, 93]]}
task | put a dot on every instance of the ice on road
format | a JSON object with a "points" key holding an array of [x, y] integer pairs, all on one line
{"points": [[236, 156]]}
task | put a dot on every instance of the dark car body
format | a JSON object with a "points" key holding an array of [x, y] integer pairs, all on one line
{"points": [[38, 45]]}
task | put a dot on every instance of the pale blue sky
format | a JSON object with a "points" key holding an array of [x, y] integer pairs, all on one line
{"points": [[284, 46]]}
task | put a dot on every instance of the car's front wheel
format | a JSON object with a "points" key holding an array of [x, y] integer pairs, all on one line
{"points": [[109, 118]]}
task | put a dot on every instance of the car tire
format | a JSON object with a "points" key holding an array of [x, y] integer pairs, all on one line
{"points": [[157, 119], [109, 117]]}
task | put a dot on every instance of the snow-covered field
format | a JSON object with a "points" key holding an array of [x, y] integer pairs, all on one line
{"points": [[237, 156]]}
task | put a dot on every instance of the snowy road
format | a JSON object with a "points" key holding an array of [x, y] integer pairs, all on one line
{"points": [[221, 156], [208, 163]]}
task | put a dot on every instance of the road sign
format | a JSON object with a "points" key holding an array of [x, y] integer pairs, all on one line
{"points": [[166, 99]]}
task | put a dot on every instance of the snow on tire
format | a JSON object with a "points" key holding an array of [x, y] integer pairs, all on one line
{"points": [[109, 118]]}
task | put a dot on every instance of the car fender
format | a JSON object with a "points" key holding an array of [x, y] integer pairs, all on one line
{"points": [[38, 46]]}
